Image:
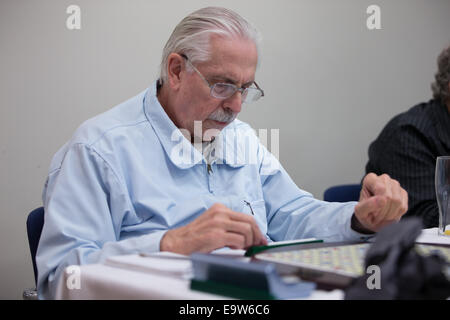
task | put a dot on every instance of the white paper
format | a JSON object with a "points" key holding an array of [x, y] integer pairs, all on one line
{"points": [[163, 263], [431, 236]]}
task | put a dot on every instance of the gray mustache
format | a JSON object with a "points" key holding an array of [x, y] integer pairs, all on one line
{"points": [[222, 115]]}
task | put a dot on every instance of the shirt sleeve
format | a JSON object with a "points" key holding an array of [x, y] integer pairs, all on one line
{"points": [[85, 204], [295, 214], [406, 155]]}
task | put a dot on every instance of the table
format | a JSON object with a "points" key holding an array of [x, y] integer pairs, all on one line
{"points": [[132, 277], [125, 277]]}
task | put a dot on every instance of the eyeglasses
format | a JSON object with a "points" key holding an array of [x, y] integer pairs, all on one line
{"points": [[226, 90]]}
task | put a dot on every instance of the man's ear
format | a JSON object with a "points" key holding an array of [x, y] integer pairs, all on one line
{"points": [[174, 67]]}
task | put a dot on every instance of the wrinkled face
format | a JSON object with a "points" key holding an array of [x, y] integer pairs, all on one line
{"points": [[232, 61]]}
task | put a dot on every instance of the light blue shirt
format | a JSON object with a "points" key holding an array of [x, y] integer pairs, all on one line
{"points": [[128, 175]]}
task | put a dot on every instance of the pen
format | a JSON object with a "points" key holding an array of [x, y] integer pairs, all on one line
{"points": [[250, 206]]}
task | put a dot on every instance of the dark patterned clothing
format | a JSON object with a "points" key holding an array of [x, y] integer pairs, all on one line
{"points": [[406, 150]]}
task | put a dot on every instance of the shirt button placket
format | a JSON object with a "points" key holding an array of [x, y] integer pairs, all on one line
{"points": [[210, 173]]}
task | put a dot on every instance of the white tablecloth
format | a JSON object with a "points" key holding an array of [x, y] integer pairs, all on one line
{"points": [[138, 277]]}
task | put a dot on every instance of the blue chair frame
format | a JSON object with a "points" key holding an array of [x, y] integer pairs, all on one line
{"points": [[35, 222], [342, 193]]}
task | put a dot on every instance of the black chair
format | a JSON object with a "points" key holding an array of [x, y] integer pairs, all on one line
{"points": [[35, 222], [342, 193]]}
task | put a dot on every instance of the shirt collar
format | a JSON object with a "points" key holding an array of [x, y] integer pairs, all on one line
{"points": [[180, 150]]}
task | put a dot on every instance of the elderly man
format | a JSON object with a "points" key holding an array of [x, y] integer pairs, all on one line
{"points": [[409, 144], [145, 177]]}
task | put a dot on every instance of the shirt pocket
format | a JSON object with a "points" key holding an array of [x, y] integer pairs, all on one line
{"points": [[254, 207], [247, 205]]}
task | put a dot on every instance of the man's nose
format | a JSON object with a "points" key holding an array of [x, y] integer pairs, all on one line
{"points": [[234, 103]]}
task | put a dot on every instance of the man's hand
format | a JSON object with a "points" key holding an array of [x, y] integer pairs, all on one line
{"points": [[382, 202], [217, 227]]}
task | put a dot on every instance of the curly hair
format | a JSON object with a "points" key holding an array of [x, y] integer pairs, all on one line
{"points": [[440, 87]]}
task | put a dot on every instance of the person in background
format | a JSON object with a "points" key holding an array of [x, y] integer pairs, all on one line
{"points": [[409, 144]]}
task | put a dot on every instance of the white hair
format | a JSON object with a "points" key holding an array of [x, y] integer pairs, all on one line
{"points": [[191, 36]]}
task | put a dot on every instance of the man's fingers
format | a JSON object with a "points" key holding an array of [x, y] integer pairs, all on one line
{"points": [[404, 201], [387, 192], [258, 237], [369, 210], [372, 204], [375, 185], [395, 202], [238, 222], [234, 240], [382, 201], [217, 227], [396, 196], [242, 228]]}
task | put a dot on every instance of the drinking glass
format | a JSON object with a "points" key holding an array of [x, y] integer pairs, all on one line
{"points": [[442, 183]]}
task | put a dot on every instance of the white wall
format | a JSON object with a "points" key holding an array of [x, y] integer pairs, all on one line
{"points": [[331, 85]]}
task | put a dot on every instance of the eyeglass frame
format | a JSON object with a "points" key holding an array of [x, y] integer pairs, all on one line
{"points": [[211, 86]]}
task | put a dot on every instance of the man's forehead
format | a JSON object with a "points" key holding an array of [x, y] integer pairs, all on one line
{"points": [[229, 78], [229, 72], [233, 59]]}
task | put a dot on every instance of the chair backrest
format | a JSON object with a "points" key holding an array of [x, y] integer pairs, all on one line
{"points": [[342, 193], [35, 222]]}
